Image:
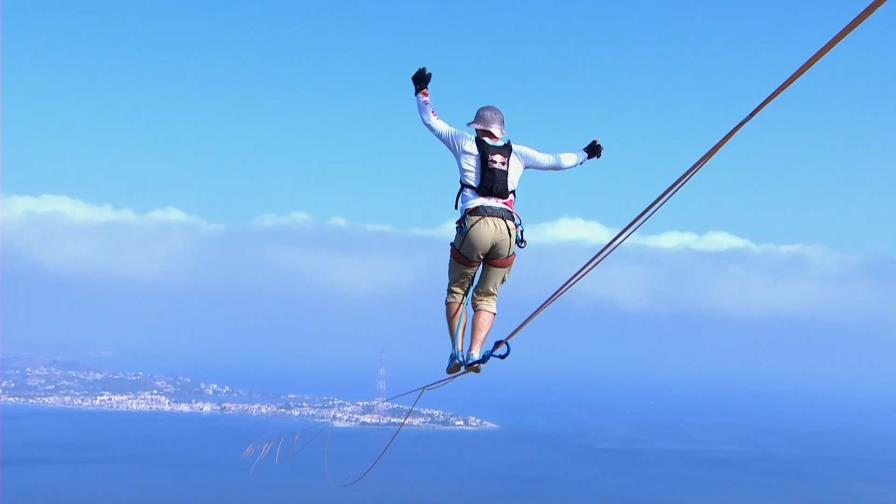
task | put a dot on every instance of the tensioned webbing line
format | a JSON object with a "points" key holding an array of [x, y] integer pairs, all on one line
{"points": [[642, 217], [661, 200]]}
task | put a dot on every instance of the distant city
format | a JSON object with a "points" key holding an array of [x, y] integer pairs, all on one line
{"points": [[69, 385]]}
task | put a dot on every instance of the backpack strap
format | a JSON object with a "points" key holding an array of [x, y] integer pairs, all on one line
{"points": [[463, 186]]}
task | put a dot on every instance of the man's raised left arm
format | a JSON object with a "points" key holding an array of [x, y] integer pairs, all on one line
{"points": [[532, 159]]}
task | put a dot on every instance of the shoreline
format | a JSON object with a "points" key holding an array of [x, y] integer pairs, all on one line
{"points": [[6, 401]]}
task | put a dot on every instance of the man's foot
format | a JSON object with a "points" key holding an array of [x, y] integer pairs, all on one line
{"points": [[454, 364], [472, 357]]}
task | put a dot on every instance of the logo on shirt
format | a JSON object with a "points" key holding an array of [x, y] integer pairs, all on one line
{"points": [[497, 162]]}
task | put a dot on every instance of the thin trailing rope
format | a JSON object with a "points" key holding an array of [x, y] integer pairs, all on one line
{"points": [[379, 456]]}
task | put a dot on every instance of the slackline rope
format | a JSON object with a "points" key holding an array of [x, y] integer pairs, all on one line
{"points": [[628, 230]]}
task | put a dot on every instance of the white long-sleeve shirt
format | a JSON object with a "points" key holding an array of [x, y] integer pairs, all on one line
{"points": [[463, 146]]}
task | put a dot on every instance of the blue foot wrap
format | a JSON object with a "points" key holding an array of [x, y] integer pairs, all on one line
{"points": [[488, 354]]}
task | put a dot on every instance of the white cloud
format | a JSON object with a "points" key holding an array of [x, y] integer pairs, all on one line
{"points": [[446, 230], [578, 230], [380, 228], [569, 229], [16, 208], [292, 219], [714, 272], [559, 231], [712, 241], [72, 237], [564, 230]]}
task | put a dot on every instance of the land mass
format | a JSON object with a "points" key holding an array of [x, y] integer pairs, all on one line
{"points": [[69, 385]]}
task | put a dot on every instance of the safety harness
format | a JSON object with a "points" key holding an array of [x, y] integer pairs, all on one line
{"points": [[494, 164], [464, 226]]}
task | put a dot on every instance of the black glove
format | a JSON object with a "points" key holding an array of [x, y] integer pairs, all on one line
{"points": [[421, 80], [593, 149]]}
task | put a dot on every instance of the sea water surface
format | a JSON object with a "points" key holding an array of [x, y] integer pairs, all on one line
{"points": [[60, 455]]}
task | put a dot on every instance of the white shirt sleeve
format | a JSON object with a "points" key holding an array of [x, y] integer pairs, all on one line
{"points": [[451, 137], [532, 159]]}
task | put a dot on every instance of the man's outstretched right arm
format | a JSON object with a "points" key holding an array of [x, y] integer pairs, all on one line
{"points": [[451, 137]]}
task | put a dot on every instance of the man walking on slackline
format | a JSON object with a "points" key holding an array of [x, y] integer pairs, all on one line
{"points": [[490, 169]]}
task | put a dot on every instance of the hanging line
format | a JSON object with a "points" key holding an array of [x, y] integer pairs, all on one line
{"points": [[636, 223], [379, 456]]}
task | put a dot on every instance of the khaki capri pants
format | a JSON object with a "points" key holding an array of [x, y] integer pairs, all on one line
{"points": [[486, 241]]}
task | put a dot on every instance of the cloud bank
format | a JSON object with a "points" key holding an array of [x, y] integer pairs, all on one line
{"points": [[20, 208], [674, 271]]}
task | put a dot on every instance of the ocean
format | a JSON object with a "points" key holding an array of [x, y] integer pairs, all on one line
{"points": [[71, 456]]}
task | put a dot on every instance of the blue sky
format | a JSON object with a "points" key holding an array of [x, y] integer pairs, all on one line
{"points": [[240, 187], [233, 111]]}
